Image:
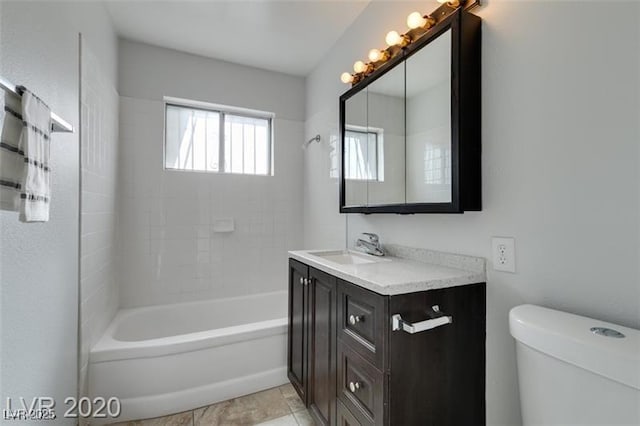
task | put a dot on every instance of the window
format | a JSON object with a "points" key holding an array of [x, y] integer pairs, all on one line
{"points": [[363, 155], [213, 138]]}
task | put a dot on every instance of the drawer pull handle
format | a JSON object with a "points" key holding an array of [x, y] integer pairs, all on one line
{"points": [[354, 319], [301, 280], [354, 386], [397, 323]]}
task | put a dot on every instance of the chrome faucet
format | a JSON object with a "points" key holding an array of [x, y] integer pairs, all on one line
{"points": [[370, 244]]}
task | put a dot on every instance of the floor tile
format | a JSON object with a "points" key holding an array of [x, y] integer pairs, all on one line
{"points": [[291, 396], [289, 420], [303, 418], [244, 411], [180, 419], [279, 406]]}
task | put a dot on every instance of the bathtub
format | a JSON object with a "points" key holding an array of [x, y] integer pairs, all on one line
{"points": [[165, 359]]}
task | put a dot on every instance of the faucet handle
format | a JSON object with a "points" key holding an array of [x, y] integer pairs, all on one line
{"points": [[371, 237]]}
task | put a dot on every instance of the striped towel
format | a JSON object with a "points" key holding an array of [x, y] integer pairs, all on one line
{"points": [[11, 156], [24, 157]]}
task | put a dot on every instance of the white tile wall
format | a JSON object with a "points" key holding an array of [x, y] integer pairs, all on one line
{"points": [[99, 155], [169, 251]]}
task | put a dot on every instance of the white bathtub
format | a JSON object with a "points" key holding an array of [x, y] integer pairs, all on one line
{"points": [[165, 359]]}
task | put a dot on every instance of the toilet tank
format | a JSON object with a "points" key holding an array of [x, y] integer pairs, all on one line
{"points": [[572, 373]]}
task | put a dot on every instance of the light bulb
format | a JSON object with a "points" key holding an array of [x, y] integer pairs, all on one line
{"points": [[346, 78], [452, 3], [359, 67], [376, 55], [395, 39], [416, 20], [392, 38]]}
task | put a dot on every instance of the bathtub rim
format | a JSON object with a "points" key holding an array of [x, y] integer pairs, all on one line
{"points": [[107, 348]]}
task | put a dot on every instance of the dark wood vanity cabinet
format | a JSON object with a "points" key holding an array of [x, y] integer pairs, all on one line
{"points": [[351, 368], [312, 339]]}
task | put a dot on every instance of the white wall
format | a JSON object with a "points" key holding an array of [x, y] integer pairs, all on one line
{"points": [[560, 106], [39, 262], [168, 250], [99, 145]]}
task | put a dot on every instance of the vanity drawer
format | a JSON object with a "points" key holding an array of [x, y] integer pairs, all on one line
{"points": [[361, 321], [361, 387]]}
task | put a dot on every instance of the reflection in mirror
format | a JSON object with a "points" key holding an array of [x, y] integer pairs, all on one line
{"points": [[358, 165], [386, 109], [428, 128]]}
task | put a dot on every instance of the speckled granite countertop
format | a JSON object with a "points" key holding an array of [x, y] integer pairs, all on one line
{"points": [[403, 270]]}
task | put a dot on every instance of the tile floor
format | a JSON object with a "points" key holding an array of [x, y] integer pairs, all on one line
{"points": [[279, 406]]}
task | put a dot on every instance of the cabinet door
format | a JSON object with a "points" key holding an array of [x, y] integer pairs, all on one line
{"points": [[322, 367], [345, 418], [298, 339], [438, 375]]}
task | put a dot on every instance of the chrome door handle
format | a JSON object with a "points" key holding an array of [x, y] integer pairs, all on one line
{"points": [[397, 323], [354, 319], [354, 386], [301, 280]]}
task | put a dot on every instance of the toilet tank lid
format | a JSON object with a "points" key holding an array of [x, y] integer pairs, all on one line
{"points": [[569, 338]]}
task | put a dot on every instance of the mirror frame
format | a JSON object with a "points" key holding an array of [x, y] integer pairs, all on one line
{"points": [[466, 194]]}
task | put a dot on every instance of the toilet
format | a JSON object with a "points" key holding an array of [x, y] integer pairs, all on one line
{"points": [[574, 370]]}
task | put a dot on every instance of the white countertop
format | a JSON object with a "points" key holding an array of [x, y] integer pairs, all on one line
{"points": [[417, 270]]}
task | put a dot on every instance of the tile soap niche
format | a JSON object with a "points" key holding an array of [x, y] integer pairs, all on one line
{"points": [[223, 225]]}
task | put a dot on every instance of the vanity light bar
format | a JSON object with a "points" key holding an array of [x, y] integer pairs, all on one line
{"points": [[418, 25]]}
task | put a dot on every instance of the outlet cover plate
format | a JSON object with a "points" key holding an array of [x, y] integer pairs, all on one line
{"points": [[504, 254]]}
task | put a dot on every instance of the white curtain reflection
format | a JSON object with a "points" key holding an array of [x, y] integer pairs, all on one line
{"points": [[437, 165], [361, 155]]}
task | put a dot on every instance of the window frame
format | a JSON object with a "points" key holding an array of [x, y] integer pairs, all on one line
{"points": [[221, 110], [379, 133]]}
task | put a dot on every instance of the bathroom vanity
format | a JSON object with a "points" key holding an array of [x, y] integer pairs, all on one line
{"points": [[394, 340]]}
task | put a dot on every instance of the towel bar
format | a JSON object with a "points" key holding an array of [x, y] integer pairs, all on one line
{"points": [[397, 323], [57, 123]]}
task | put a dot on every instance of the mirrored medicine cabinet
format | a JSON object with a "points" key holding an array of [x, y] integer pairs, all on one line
{"points": [[410, 130]]}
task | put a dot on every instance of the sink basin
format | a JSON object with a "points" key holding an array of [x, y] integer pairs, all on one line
{"points": [[347, 257]]}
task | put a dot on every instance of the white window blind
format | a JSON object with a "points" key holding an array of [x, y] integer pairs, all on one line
{"points": [[217, 140]]}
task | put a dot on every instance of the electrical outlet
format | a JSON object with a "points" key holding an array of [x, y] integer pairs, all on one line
{"points": [[504, 254]]}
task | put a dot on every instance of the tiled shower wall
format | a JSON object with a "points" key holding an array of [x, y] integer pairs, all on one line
{"points": [[99, 141], [170, 252]]}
